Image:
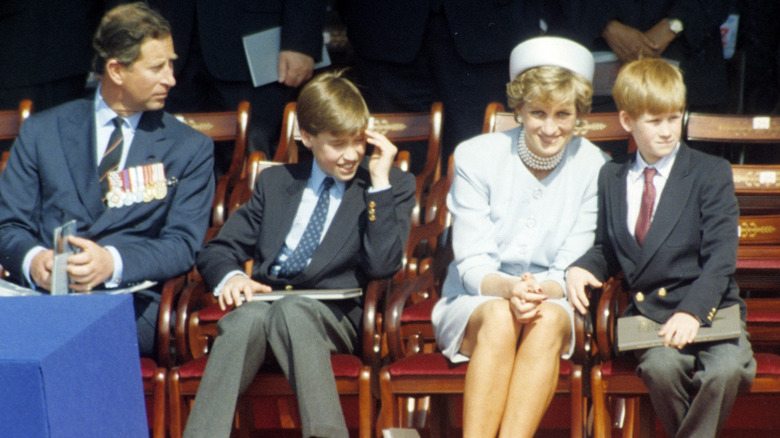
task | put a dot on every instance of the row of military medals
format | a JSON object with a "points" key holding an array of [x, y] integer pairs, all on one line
{"points": [[136, 184]]}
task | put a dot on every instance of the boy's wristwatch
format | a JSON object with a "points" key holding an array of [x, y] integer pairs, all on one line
{"points": [[675, 25]]}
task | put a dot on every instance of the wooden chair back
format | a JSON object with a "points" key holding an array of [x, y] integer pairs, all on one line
{"points": [[739, 130], [11, 120], [221, 127], [596, 127]]}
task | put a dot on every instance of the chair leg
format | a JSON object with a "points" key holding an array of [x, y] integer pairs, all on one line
{"points": [[160, 411], [578, 404], [366, 403], [389, 411], [175, 404], [601, 422]]}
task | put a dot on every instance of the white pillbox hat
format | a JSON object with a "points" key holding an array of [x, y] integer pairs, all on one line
{"points": [[548, 50]]}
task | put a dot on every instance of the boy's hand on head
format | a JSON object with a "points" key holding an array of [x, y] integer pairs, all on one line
{"points": [[381, 160], [237, 286], [680, 330], [577, 279]]}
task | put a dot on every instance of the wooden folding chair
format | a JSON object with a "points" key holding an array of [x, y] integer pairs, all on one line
{"points": [[10, 123], [224, 126]]}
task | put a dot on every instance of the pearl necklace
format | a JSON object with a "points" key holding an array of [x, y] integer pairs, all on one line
{"points": [[534, 161]]}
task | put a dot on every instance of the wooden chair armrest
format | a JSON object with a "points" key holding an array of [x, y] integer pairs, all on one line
{"points": [[608, 310], [194, 297], [374, 295], [218, 207], [170, 291], [399, 294]]}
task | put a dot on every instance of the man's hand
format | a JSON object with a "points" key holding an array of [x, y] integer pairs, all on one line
{"points": [[381, 160], [295, 68], [661, 35], [91, 267], [239, 285], [628, 43], [40, 268], [577, 279], [680, 330]]}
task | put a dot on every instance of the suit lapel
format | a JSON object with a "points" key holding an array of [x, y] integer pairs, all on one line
{"points": [[78, 143], [670, 206]]}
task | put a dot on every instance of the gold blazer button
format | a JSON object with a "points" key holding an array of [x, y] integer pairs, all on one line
{"points": [[662, 292], [640, 296]]}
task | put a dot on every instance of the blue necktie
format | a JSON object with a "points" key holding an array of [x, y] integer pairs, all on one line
{"points": [[296, 263]]}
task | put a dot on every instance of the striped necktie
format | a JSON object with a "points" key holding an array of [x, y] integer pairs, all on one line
{"points": [[112, 156]]}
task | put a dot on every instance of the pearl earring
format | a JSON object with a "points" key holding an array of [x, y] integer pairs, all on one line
{"points": [[519, 119]]}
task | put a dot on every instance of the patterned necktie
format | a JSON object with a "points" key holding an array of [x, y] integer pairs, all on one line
{"points": [[646, 210], [296, 263], [111, 157]]}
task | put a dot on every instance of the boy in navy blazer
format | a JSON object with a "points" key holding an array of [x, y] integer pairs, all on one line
{"points": [[668, 219], [363, 236]]}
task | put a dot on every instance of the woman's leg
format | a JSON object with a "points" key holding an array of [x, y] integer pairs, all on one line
{"points": [[491, 342], [535, 372]]}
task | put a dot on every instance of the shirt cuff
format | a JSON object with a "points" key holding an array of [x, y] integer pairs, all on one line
{"points": [[116, 279], [27, 262], [373, 190], [221, 284]]}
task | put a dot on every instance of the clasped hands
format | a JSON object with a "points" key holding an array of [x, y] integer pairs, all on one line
{"points": [[629, 43], [525, 297], [86, 269], [678, 331]]}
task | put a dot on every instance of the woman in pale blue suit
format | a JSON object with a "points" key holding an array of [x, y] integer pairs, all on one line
{"points": [[524, 208]]}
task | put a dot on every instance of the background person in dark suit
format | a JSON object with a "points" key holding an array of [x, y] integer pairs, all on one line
{"points": [[363, 236], [410, 53], [212, 71], [52, 175], [686, 31], [681, 269]]}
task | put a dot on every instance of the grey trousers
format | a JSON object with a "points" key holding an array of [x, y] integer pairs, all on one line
{"points": [[302, 334], [693, 390]]}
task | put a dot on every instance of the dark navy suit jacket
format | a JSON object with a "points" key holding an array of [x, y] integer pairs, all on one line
{"points": [[52, 178], [691, 248]]}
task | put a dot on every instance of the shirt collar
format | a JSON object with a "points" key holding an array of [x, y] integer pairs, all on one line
{"points": [[318, 176], [104, 114], [663, 166]]}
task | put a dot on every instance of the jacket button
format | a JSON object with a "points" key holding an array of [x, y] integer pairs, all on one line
{"points": [[640, 296], [662, 292]]}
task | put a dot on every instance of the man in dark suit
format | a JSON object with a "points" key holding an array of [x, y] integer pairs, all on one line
{"points": [[685, 31], [362, 236], [137, 182], [212, 70], [668, 220]]}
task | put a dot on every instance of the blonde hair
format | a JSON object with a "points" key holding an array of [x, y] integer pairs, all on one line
{"points": [[550, 84], [332, 104], [649, 85]]}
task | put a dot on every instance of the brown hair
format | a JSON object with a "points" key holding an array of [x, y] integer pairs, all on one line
{"points": [[649, 85], [333, 104], [123, 30], [550, 84]]}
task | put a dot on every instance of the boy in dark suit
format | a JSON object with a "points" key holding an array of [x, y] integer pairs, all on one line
{"points": [[668, 220], [362, 236]]}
